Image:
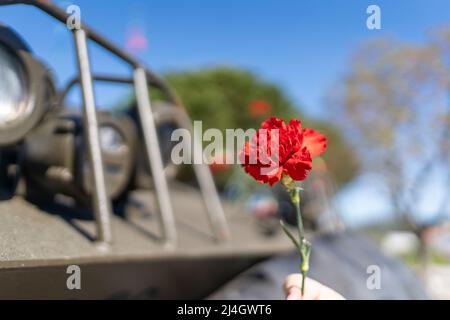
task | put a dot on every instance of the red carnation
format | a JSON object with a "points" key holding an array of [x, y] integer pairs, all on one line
{"points": [[278, 148], [284, 152]]}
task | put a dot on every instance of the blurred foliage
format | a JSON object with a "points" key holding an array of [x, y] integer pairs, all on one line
{"points": [[393, 103], [222, 97], [435, 259], [227, 98]]}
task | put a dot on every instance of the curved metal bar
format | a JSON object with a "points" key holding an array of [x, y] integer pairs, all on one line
{"points": [[142, 77], [211, 198], [102, 78], [100, 200], [62, 16]]}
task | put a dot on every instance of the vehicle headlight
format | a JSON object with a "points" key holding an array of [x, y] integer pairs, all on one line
{"points": [[26, 89], [56, 157], [13, 95], [117, 141], [111, 140]]}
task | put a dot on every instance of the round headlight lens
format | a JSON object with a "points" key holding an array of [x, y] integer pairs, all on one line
{"points": [[111, 140], [13, 106]]}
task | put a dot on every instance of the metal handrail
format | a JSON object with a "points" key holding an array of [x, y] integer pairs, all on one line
{"points": [[101, 202], [142, 78], [62, 16], [206, 183]]}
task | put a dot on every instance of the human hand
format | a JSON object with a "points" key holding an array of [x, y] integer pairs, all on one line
{"points": [[313, 289]]}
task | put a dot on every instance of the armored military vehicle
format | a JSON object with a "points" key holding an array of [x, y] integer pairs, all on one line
{"points": [[91, 193], [89, 207]]}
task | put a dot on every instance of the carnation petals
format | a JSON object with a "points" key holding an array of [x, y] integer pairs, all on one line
{"points": [[298, 166], [296, 147], [315, 142]]}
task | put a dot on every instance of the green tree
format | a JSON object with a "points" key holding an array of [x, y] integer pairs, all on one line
{"points": [[227, 98], [222, 97]]}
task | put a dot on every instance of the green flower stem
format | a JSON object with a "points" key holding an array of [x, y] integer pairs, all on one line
{"points": [[303, 246], [295, 198], [303, 282]]}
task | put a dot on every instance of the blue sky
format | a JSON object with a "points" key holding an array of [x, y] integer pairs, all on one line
{"points": [[302, 45]]}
